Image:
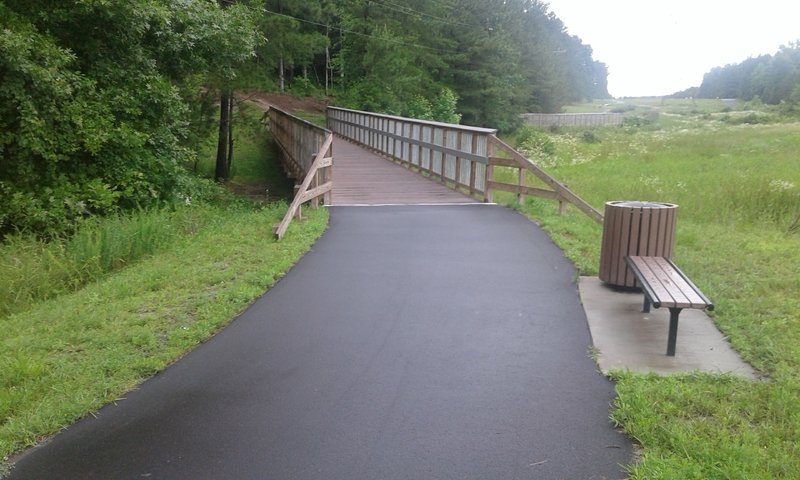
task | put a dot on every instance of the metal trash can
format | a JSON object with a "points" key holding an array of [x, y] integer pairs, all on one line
{"points": [[634, 228]]}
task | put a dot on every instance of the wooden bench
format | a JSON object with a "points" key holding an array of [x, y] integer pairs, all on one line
{"points": [[665, 285]]}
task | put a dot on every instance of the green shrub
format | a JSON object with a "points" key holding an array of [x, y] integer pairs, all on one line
{"points": [[534, 144], [643, 120], [589, 137], [303, 87], [443, 106], [750, 118]]}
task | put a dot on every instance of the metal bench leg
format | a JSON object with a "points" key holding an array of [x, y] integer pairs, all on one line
{"points": [[646, 305], [673, 330]]}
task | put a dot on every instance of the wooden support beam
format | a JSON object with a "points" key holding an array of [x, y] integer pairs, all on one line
{"points": [[523, 190], [316, 192], [280, 230], [503, 162], [557, 186]]}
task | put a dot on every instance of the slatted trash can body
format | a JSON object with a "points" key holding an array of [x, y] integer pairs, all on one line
{"points": [[634, 228]]}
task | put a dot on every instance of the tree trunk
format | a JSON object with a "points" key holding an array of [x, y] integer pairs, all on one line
{"points": [[231, 104], [327, 59], [280, 74], [223, 165]]}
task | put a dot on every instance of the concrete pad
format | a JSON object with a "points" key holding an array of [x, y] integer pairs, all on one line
{"points": [[627, 338]]}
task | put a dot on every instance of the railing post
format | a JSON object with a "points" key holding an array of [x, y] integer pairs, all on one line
{"points": [[491, 151], [327, 198]]}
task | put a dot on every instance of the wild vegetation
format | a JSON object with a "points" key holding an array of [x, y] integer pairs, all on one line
{"points": [[737, 184], [86, 318]]}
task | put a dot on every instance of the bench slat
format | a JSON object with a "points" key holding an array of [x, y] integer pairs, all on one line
{"points": [[662, 296], [669, 284], [677, 298], [704, 301], [687, 288]]}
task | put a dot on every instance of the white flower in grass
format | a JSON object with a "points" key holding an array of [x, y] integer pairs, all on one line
{"points": [[650, 181], [778, 185]]}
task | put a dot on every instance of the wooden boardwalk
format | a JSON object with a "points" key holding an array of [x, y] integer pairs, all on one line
{"points": [[361, 177]]}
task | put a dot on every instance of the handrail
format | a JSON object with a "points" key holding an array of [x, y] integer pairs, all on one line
{"points": [[306, 152], [455, 154], [298, 140]]}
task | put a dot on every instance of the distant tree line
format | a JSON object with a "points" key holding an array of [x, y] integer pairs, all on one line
{"points": [[103, 104], [771, 78]]}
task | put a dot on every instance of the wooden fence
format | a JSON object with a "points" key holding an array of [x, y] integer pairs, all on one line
{"points": [[307, 153], [460, 156], [572, 119], [454, 154]]}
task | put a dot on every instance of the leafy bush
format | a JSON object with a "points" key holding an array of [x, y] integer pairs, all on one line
{"points": [[443, 106], [93, 124], [623, 108], [750, 118], [303, 87], [534, 144], [589, 137], [440, 108], [643, 120]]}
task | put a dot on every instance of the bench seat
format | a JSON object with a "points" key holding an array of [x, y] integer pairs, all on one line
{"points": [[665, 285]]}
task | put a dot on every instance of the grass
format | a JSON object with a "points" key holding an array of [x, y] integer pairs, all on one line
{"points": [[738, 187], [32, 270], [319, 119]]}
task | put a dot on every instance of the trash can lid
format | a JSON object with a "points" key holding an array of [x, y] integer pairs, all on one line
{"points": [[639, 204]]}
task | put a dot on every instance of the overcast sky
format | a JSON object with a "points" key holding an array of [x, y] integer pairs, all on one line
{"points": [[659, 47]]}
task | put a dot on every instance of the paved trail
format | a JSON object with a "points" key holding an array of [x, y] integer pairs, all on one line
{"points": [[413, 342]]}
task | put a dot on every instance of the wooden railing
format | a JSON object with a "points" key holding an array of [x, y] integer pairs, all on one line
{"points": [[516, 160], [460, 156], [455, 154], [307, 153]]}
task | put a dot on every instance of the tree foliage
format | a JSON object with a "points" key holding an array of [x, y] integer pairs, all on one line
{"points": [[96, 101], [499, 57], [771, 78]]}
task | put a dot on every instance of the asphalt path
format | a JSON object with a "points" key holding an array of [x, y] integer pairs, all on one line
{"points": [[412, 342]]}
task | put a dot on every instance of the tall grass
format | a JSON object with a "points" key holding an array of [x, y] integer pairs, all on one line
{"points": [[32, 270]]}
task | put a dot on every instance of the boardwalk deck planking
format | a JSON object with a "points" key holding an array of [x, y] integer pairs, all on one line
{"points": [[365, 178]]}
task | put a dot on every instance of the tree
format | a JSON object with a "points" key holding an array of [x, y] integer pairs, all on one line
{"points": [[296, 37], [96, 102]]}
